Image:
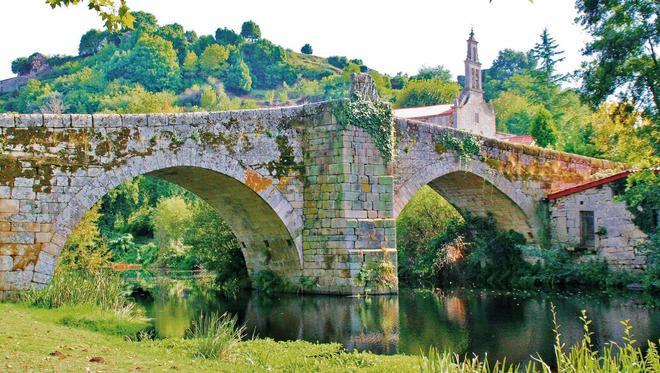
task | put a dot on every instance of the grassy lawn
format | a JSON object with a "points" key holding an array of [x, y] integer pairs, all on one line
{"points": [[66, 339]]}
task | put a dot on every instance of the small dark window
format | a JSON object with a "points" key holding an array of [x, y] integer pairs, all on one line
{"points": [[476, 117], [266, 243], [587, 231]]}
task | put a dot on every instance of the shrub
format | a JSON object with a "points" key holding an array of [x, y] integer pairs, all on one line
{"points": [[268, 282], [216, 336]]}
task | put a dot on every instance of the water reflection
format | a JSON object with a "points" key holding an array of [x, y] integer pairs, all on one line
{"points": [[465, 322]]}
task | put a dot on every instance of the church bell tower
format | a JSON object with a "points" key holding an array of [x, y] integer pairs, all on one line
{"points": [[471, 112], [473, 81]]}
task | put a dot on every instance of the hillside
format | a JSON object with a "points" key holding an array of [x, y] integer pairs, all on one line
{"points": [[167, 68]]}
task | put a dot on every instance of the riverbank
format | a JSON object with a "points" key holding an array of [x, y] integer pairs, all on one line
{"points": [[36, 339]]}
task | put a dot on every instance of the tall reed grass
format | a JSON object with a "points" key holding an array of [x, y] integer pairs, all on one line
{"points": [[216, 336], [72, 288], [581, 357]]}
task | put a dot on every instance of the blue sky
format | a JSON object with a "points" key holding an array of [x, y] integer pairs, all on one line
{"points": [[389, 36]]}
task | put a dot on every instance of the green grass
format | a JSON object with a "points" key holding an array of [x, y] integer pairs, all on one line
{"points": [[216, 336], [29, 335]]}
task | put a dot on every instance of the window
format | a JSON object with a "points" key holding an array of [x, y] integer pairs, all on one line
{"points": [[587, 232], [476, 117]]}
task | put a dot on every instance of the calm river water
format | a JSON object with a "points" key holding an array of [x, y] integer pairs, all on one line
{"points": [[481, 322]]}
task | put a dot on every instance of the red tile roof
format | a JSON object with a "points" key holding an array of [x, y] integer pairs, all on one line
{"points": [[589, 185]]}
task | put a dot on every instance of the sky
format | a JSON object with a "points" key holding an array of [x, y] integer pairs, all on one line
{"points": [[389, 36]]}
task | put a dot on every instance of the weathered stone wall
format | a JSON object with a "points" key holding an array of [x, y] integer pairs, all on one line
{"points": [[509, 180], [611, 217], [247, 164], [348, 208], [13, 84]]}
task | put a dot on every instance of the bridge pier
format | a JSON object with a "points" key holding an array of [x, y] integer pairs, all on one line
{"points": [[349, 240]]}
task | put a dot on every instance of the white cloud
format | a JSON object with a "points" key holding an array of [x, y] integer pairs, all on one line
{"points": [[389, 36]]}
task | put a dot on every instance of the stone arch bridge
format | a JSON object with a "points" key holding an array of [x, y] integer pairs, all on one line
{"points": [[304, 194]]}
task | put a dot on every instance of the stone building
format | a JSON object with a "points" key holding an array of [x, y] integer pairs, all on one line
{"points": [[588, 218]]}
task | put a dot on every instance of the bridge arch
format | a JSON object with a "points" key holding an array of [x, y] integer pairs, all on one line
{"points": [[264, 221], [476, 188]]}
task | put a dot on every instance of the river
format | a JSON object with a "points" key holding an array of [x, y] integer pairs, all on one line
{"points": [[499, 324]]}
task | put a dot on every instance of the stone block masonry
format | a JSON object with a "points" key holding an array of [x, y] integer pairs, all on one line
{"points": [[348, 208]]}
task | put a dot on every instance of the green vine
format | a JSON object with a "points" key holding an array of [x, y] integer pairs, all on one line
{"points": [[464, 146], [374, 117]]}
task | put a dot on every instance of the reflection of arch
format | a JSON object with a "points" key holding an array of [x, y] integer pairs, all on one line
{"points": [[269, 229], [474, 188]]}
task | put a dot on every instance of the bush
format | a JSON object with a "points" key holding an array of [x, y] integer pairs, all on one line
{"points": [[268, 282], [339, 62], [216, 336]]}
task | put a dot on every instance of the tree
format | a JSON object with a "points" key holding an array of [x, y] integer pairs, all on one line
{"points": [[209, 98], [514, 113], [250, 30], [21, 66], [214, 246], [213, 59], [238, 77], [427, 92], [202, 43], [85, 249], [171, 219], [542, 129], [114, 13], [307, 49], [339, 62], [268, 64], [152, 62], [507, 64], [437, 72], [91, 42], [144, 21], [622, 53], [227, 36], [175, 34], [547, 53], [190, 65]]}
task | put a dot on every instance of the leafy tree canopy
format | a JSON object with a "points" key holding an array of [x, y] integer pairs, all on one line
{"points": [[427, 92], [622, 54], [114, 13], [307, 49], [250, 30]]}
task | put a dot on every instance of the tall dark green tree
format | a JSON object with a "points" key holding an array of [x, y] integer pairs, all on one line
{"points": [[623, 52], [507, 64], [548, 55], [543, 129], [250, 30], [307, 49]]}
